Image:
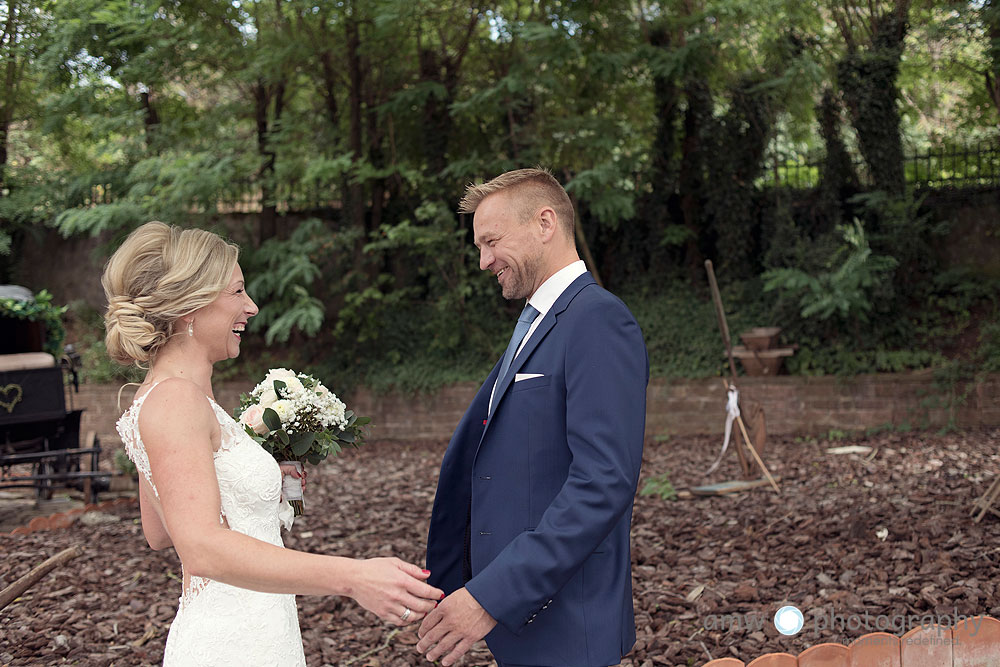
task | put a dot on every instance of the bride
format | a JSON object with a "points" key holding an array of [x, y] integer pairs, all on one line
{"points": [[177, 302]]}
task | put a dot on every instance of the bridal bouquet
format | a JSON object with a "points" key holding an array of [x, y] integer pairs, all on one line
{"points": [[298, 420]]}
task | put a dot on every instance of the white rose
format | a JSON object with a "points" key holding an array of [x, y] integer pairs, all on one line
{"points": [[285, 410], [254, 418], [293, 384], [282, 374], [267, 398]]}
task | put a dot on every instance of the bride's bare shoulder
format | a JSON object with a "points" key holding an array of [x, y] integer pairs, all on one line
{"points": [[176, 403]]}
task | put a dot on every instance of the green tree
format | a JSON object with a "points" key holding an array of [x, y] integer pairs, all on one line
{"points": [[23, 26], [874, 37]]}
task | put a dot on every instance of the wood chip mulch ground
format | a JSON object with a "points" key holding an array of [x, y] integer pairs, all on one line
{"points": [[886, 534]]}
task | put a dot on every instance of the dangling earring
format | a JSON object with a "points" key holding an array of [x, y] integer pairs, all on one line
{"points": [[191, 328]]}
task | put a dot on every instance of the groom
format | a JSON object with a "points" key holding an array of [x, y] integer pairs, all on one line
{"points": [[530, 528]]}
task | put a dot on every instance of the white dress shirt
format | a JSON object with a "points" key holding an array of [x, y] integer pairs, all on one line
{"points": [[549, 291], [544, 297]]}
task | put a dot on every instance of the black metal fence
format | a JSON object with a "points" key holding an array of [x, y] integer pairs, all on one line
{"points": [[975, 165], [946, 167], [241, 198]]}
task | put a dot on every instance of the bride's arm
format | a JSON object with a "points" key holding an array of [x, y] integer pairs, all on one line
{"points": [[177, 424], [152, 522]]}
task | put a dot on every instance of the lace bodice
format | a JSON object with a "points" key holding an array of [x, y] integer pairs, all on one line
{"points": [[218, 623], [249, 478]]}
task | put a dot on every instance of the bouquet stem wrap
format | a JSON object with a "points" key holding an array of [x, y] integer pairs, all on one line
{"points": [[291, 489]]}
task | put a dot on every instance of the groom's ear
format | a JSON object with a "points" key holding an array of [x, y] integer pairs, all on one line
{"points": [[548, 222]]}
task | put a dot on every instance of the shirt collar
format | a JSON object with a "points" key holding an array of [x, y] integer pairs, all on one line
{"points": [[551, 289]]}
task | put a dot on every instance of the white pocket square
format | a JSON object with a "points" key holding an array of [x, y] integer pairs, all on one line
{"points": [[526, 376]]}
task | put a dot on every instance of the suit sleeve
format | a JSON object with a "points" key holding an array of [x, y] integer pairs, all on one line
{"points": [[606, 371]]}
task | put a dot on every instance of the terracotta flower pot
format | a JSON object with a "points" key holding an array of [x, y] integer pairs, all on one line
{"points": [[760, 338]]}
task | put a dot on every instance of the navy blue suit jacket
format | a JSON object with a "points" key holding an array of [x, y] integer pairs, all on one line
{"points": [[545, 488]]}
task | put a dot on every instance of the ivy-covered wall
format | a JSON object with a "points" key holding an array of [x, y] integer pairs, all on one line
{"points": [[71, 268]]}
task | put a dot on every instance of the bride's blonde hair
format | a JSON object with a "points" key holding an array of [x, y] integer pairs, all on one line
{"points": [[160, 274]]}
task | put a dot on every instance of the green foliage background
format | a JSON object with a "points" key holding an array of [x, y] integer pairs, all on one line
{"points": [[333, 141]]}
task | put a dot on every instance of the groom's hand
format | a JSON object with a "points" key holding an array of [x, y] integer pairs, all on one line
{"points": [[453, 627]]}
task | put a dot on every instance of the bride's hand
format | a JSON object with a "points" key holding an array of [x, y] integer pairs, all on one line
{"points": [[290, 469], [388, 587]]}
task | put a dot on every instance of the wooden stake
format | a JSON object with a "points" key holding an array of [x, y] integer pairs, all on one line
{"points": [[985, 502], [753, 450], [756, 456], [720, 314], [15, 590]]}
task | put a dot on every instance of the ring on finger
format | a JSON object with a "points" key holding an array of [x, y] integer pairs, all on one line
{"points": [[406, 613]]}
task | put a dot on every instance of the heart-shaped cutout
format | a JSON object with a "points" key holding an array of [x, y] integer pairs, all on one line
{"points": [[5, 396]]}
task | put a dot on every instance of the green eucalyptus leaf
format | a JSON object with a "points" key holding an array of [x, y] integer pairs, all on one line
{"points": [[271, 420], [302, 445]]}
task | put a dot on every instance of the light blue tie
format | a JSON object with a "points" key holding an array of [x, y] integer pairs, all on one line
{"points": [[528, 316]]}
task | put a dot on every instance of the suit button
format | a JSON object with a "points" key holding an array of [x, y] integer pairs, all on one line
{"points": [[486, 477], [482, 532]]}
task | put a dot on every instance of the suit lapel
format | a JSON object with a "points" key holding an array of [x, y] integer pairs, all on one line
{"points": [[538, 335]]}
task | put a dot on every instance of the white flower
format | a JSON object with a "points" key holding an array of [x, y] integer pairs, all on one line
{"points": [[282, 374], [268, 398], [302, 405], [285, 410], [293, 385], [331, 410]]}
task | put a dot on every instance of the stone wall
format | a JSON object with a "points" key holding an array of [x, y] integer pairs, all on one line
{"points": [[679, 407]]}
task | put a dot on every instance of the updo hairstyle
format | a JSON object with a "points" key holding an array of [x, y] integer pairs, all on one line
{"points": [[160, 274]]}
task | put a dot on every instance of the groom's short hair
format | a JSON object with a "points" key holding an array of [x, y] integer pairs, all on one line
{"points": [[530, 189]]}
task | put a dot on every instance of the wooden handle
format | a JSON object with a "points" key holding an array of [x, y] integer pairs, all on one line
{"points": [[15, 590], [720, 314]]}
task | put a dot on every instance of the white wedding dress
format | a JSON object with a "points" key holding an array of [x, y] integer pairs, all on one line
{"points": [[219, 624]]}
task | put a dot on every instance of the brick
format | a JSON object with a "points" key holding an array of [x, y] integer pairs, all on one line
{"points": [[682, 407], [38, 523]]}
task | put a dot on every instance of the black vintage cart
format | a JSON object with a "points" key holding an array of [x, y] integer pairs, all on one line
{"points": [[40, 444]]}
